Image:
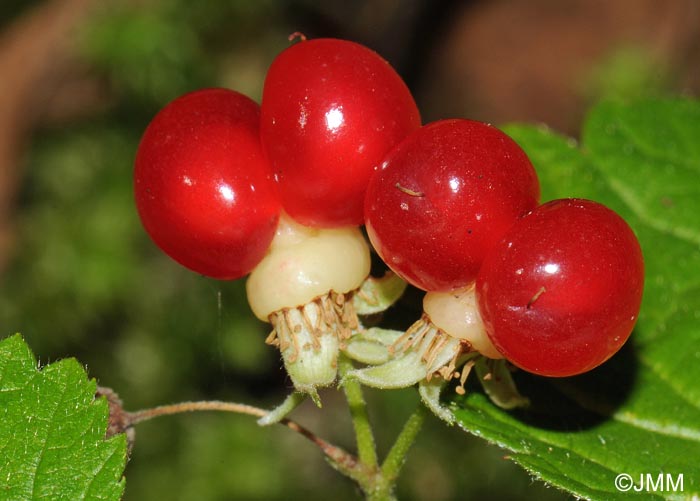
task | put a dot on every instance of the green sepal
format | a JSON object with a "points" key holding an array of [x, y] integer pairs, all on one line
{"points": [[377, 294], [400, 372], [429, 392], [406, 368], [495, 377], [371, 346]]}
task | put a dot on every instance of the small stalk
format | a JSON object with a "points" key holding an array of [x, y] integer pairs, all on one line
{"points": [[182, 407], [366, 448], [342, 460], [376, 482], [396, 457]]}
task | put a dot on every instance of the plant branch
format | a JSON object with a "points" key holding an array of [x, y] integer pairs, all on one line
{"points": [[397, 455], [340, 458], [366, 448], [180, 408]]}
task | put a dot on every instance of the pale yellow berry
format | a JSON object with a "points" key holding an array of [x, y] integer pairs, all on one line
{"points": [[456, 313], [305, 263]]}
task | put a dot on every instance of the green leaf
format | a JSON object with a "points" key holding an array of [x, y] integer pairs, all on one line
{"points": [[639, 413], [52, 431]]}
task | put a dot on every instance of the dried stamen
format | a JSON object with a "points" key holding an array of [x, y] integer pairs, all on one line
{"points": [[413, 335], [309, 337]]}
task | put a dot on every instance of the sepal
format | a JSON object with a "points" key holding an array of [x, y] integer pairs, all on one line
{"points": [[371, 346], [495, 377], [378, 294]]}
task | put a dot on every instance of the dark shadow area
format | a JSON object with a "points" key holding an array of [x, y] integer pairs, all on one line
{"points": [[579, 402]]}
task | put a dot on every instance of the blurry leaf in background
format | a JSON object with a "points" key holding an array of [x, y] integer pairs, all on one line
{"points": [[628, 73], [163, 49], [77, 233], [147, 52]]}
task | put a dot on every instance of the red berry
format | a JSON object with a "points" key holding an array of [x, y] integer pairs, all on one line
{"points": [[330, 111], [443, 197], [560, 294], [203, 187]]}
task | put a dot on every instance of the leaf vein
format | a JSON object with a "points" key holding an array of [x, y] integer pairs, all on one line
{"points": [[669, 381], [638, 208], [647, 150], [671, 431]]}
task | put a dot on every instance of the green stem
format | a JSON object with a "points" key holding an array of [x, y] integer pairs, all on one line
{"points": [[397, 455], [366, 449], [281, 411]]}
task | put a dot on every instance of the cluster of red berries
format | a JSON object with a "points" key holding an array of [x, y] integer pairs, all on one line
{"points": [[449, 206]]}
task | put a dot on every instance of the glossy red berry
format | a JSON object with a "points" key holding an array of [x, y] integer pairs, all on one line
{"points": [[203, 187], [331, 109], [443, 197], [561, 292]]}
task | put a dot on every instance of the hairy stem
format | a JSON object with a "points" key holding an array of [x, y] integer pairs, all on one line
{"points": [[341, 459], [182, 407], [366, 448], [397, 455]]}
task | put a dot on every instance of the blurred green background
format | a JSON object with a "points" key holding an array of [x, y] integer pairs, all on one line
{"points": [[80, 81]]}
